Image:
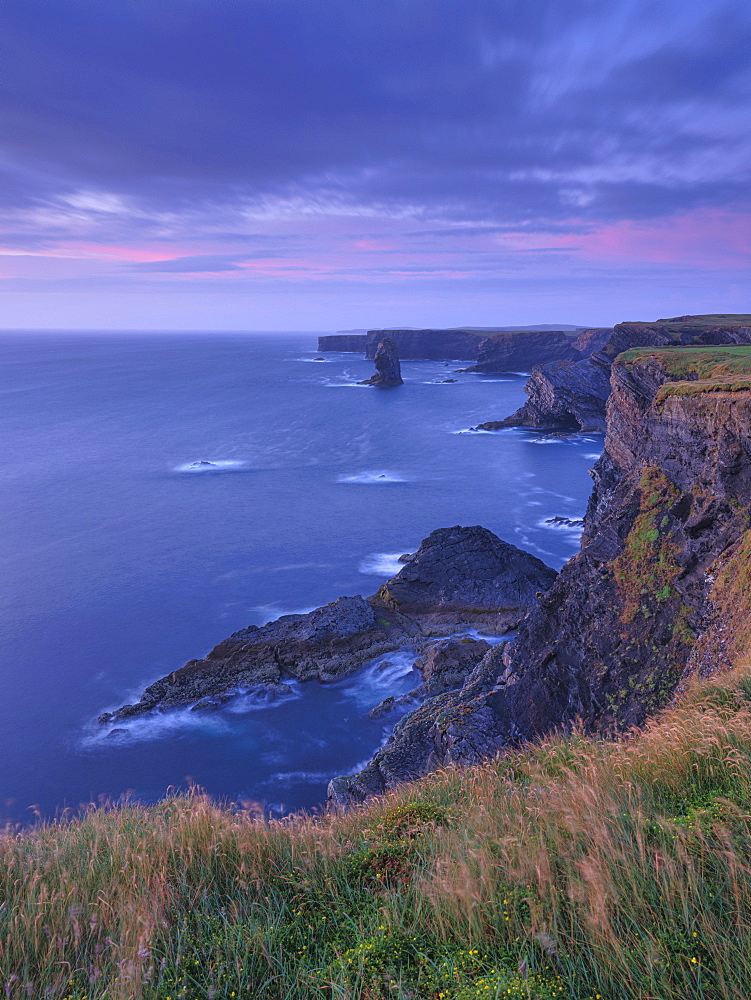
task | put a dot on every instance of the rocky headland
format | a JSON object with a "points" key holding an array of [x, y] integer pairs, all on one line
{"points": [[388, 373], [510, 348], [652, 597], [435, 345], [511, 351], [572, 395], [458, 578], [351, 342]]}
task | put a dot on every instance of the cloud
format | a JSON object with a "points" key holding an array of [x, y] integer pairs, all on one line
{"points": [[385, 141], [196, 263], [487, 111]]}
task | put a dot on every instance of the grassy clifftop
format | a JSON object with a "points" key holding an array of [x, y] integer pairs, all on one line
{"points": [[579, 868], [697, 369]]}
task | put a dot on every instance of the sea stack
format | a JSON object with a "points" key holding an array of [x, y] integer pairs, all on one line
{"points": [[388, 370]]}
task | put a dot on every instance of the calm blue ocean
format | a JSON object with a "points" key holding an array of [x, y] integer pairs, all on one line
{"points": [[120, 561]]}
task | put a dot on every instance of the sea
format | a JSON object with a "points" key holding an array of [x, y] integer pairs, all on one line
{"points": [[124, 555]]}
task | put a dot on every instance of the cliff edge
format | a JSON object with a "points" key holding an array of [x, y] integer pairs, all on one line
{"points": [[573, 396], [658, 592]]}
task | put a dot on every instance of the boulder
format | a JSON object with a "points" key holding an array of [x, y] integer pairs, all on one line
{"points": [[467, 577]]}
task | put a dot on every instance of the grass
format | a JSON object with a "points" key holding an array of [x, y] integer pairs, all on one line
{"points": [[696, 370], [577, 868]]}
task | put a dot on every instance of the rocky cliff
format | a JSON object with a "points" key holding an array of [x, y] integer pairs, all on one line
{"points": [[508, 352], [659, 590], [436, 345], [342, 342], [573, 396]]}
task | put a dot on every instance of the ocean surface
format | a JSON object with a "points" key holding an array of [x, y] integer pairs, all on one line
{"points": [[122, 559]]}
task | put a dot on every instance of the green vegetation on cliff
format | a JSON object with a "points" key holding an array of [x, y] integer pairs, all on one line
{"points": [[577, 868], [697, 369]]}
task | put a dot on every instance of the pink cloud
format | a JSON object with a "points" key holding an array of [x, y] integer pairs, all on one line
{"points": [[704, 238]]}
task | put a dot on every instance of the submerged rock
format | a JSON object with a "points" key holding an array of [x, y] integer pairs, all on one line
{"points": [[388, 370], [467, 577]]}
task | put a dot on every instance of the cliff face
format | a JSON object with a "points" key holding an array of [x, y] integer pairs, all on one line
{"points": [[342, 342], [506, 352], [566, 397], [573, 396], [659, 590], [436, 345], [641, 603]]}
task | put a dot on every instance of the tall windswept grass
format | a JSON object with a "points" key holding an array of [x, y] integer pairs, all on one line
{"points": [[576, 868]]}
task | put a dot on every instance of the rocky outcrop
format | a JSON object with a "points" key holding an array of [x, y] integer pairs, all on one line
{"points": [[467, 576], [325, 644], [354, 342], [462, 575], [455, 727], [573, 396], [388, 370], [659, 591], [562, 397], [436, 345], [508, 352]]}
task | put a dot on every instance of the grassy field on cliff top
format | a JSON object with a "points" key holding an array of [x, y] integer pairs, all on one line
{"points": [[697, 369], [578, 868]]}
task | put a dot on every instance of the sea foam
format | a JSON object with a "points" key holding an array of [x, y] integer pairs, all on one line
{"points": [[381, 564], [215, 465]]}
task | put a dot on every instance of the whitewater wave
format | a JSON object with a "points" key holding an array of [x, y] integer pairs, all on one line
{"points": [[215, 465], [476, 430], [154, 726], [287, 778], [381, 564], [566, 529], [258, 698]]}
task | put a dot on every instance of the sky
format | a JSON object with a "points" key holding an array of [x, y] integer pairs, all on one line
{"points": [[337, 164]]}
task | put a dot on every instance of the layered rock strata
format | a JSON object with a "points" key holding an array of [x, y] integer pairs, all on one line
{"points": [[573, 396], [388, 372], [659, 590]]}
